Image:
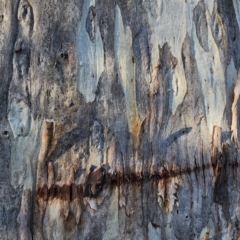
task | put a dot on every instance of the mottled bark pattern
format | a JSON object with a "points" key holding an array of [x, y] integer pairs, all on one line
{"points": [[119, 119]]}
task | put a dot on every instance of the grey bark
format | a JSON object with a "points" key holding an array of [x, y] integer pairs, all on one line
{"points": [[119, 119]]}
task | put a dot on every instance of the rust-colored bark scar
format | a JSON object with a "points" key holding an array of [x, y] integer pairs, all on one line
{"points": [[42, 158], [94, 182], [42, 176]]}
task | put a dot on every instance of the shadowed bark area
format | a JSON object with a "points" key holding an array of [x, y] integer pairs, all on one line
{"points": [[119, 119]]}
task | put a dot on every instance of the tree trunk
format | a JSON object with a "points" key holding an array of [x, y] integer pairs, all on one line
{"points": [[119, 119]]}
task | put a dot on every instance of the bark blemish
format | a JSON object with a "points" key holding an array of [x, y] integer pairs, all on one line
{"points": [[126, 68], [216, 148]]}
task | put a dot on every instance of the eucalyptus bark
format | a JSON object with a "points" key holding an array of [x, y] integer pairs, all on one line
{"points": [[119, 119]]}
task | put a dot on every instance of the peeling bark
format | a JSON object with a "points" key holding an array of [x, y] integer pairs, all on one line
{"points": [[119, 119]]}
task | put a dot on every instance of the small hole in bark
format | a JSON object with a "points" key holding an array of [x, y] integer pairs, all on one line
{"points": [[64, 56], [186, 217], [5, 134]]}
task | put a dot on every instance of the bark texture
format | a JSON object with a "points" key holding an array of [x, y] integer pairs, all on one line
{"points": [[119, 119]]}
